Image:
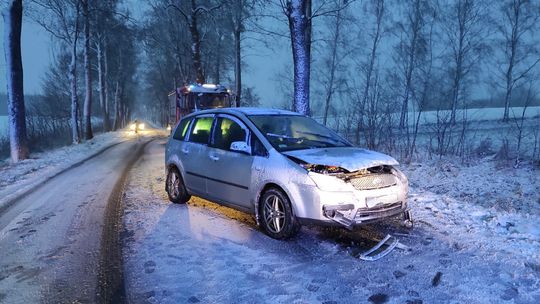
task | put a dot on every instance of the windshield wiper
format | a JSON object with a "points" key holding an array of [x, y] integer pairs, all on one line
{"points": [[280, 136], [323, 136]]}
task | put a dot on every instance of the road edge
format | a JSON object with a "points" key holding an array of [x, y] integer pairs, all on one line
{"points": [[18, 195]]}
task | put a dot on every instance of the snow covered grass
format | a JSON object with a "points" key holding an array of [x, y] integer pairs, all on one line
{"points": [[480, 205]]}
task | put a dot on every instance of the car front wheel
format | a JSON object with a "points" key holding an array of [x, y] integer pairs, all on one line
{"points": [[175, 188], [276, 215]]}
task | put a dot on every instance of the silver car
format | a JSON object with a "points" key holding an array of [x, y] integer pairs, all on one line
{"points": [[283, 167]]}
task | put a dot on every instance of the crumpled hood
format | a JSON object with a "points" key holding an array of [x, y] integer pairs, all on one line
{"points": [[348, 158]]}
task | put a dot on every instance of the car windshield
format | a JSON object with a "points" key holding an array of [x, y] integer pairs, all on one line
{"points": [[292, 132]]}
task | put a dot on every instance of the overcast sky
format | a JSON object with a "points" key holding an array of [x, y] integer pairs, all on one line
{"points": [[262, 64]]}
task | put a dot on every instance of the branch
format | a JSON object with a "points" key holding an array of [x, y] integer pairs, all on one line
{"points": [[316, 13], [525, 72], [179, 10], [206, 10]]}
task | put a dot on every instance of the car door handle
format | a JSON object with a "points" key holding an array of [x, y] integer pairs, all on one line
{"points": [[185, 151], [214, 157]]}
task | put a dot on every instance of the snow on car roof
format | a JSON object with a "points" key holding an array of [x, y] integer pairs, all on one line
{"points": [[264, 111], [246, 111]]}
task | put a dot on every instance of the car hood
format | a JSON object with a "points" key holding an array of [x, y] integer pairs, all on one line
{"points": [[348, 158]]}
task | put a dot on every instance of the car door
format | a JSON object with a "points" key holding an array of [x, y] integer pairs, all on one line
{"points": [[230, 170], [194, 154]]}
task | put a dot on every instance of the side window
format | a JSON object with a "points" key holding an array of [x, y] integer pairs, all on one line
{"points": [[200, 133], [181, 130], [257, 147], [227, 131]]}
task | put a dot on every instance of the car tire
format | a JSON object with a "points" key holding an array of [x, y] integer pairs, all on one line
{"points": [[176, 190], [276, 215]]}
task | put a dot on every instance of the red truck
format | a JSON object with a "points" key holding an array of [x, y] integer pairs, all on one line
{"points": [[195, 97]]}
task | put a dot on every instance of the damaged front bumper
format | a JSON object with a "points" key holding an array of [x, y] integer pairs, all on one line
{"points": [[348, 216]]}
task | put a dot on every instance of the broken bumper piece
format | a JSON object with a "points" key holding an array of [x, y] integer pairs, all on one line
{"points": [[347, 216]]}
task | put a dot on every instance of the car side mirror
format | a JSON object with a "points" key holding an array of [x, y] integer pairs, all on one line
{"points": [[241, 146]]}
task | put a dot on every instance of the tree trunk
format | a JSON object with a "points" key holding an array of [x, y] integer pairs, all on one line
{"points": [[217, 76], [116, 125], [333, 66], [415, 28], [196, 44], [75, 138], [14, 76], [102, 74], [87, 74], [238, 62], [511, 62], [299, 15], [379, 13]]}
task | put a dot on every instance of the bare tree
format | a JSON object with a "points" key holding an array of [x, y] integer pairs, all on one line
{"points": [[62, 22], [88, 134], [518, 27], [378, 10], [240, 12], [463, 22], [337, 51], [191, 17], [411, 47], [12, 15]]}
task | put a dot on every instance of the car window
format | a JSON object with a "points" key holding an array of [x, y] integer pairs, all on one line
{"points": [[181, 130], [200, 133], [227, 131], [257, 147], [295, 132]]}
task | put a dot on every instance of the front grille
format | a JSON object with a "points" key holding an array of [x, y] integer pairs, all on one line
{"points": [[369, 214], [373, 181]]}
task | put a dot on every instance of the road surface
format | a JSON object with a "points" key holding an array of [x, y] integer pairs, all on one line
{"points": [[51, 239]]}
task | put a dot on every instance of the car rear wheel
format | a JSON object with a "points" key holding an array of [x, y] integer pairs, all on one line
{"points": [[175, 188], [276, 215]]}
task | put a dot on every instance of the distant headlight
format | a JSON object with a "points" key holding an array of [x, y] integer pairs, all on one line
{"points": [[141, 126], [328, 182], [132, 127], [169, 127]]}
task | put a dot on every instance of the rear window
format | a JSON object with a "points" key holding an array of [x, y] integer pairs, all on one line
{"points": [[200, 133], [181, 130]]}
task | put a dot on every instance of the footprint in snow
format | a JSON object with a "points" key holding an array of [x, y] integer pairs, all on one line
{"points": [[149, 266]]}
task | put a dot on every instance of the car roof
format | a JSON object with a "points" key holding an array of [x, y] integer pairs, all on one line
{"points": [[247, 111]]}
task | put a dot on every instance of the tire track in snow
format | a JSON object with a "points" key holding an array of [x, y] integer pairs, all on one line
{"points": [[111, 280]]}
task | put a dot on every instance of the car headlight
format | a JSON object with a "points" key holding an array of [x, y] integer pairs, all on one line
{"points": [[142, 126], [328, 182], [132, 127]]}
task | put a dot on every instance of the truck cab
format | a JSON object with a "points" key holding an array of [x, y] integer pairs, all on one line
{"points": [[196, 97]]}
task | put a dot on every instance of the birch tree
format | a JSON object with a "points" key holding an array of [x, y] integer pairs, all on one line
{"points": [[376, 8], [411, 49], [518, 27], [12, 15], [330, 68], [61, 18], [463, 23], [87, 113]]}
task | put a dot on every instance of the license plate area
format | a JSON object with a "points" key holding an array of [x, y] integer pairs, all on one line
{"points": [[381, 200]]}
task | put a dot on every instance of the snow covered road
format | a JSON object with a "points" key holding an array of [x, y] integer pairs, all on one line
{"points": [[202, 252], [50, 239]]}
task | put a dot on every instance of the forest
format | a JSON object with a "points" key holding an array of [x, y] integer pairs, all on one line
{"points": [[404, 77]]}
